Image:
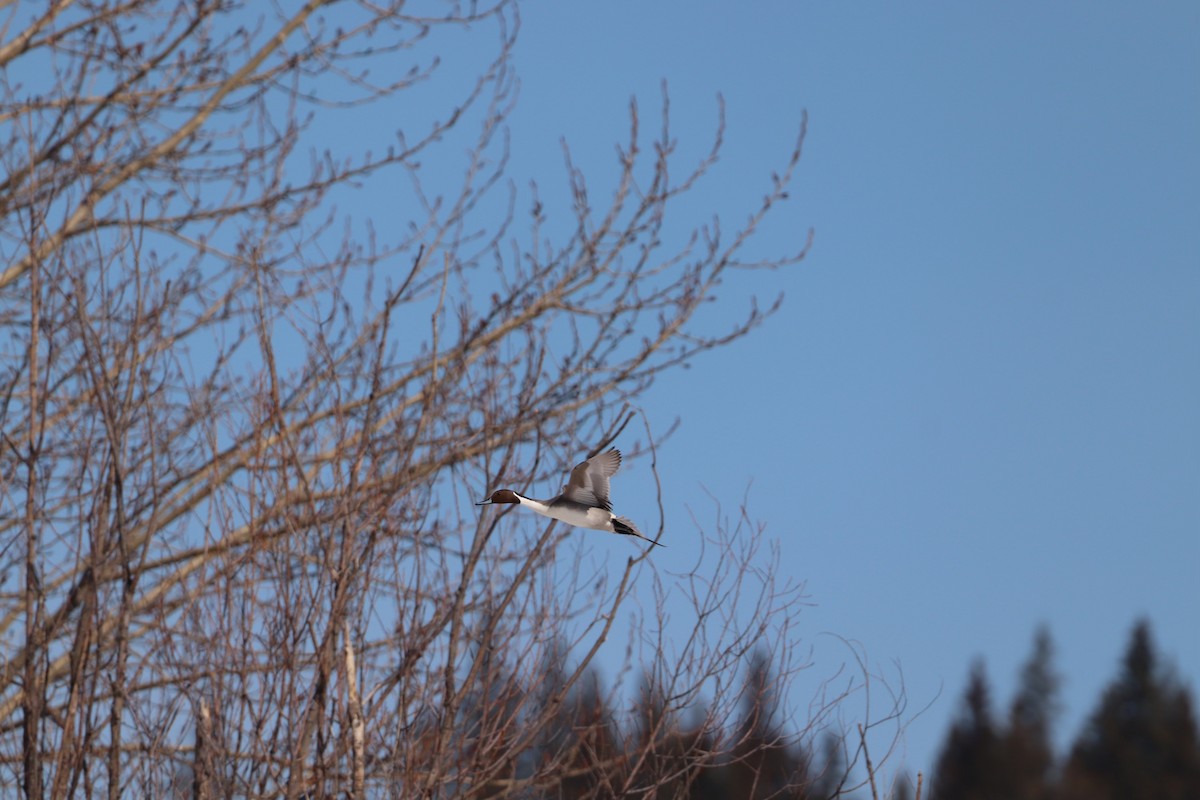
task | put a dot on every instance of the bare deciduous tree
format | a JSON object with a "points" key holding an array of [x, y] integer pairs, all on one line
{"points": [[238, 420]]}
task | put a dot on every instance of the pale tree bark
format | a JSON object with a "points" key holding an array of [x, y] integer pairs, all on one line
{"points": [[241, 413]]}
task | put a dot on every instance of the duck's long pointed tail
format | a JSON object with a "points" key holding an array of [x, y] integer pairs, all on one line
{"points": [[623, 525]]}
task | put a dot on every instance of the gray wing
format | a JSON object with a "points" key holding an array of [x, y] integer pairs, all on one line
{"points": [[589, 480]]}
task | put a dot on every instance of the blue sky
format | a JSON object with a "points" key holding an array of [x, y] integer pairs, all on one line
{"points": [[979, 408]]}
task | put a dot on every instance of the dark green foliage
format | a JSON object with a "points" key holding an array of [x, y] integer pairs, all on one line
{"points": [[985, 759], [668, 757], [902, 788], [1027, 753], [1141, 741], [828, 776], [970, 765], [764, 763], [760, 758]]}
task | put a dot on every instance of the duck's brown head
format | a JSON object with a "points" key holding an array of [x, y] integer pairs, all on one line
{"points": [[500, 496]]}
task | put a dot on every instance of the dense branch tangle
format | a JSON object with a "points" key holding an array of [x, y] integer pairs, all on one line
{"points": [[235, 417]]}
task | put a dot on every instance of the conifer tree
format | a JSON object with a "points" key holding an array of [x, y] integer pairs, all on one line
{"points": [[1141, 741], [765, 765], [902, 789], [1028, 755], [828, 775], [969, 766]]}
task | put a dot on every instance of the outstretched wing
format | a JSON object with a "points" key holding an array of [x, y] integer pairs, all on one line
{"points": [[589, 480]]}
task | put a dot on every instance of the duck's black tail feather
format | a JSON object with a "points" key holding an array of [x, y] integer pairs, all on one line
{"points": [[622, 525]]}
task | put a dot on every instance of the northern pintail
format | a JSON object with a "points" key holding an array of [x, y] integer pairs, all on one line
{"points": [[584, 500]]}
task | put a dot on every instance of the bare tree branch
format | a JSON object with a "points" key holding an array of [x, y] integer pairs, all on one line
{"points": [[242, 398]]}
